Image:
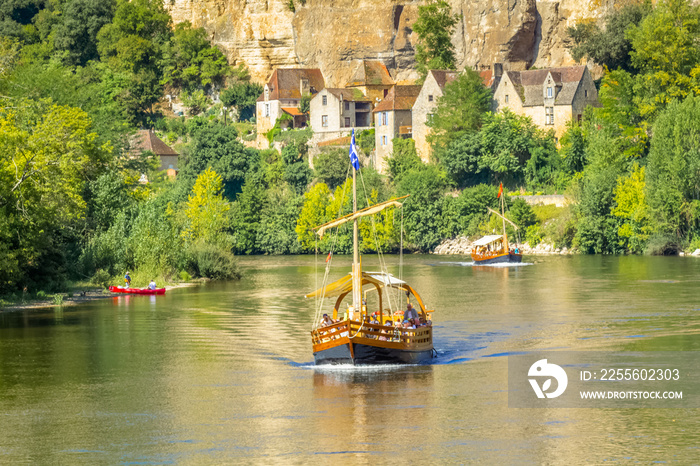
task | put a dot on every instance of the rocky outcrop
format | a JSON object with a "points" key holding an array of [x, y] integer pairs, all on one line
{"points": [[463, 246], [332, 36]]}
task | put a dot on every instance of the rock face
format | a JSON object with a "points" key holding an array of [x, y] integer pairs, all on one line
{"points": [[332, 36]]}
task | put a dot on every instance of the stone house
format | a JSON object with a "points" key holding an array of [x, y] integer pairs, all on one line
{"points": [[393, 119], [426, 102], [551, 97], [334, 112], [146, 140], [282, 95], [372, 78]]}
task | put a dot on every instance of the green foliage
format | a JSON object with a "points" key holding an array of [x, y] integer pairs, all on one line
{"points": [[206, 210], [190, 62], [247, 212], [463, 214], [459, 111], [573, 147], [631, 207], [403, 159], [304, 103], [365, 140], [210, 261], [533, 235], [522, 214], [101, 279], [332, 166], [434, 26], [297, 171], [242, 96], [278, 217], [216, 146], [196, 101], [76, 34], [608, 46], [423, 210], [673, 171]]}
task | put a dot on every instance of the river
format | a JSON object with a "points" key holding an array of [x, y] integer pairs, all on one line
{"points": [[223, 373]]}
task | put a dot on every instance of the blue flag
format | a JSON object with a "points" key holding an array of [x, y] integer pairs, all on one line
{"points": [[353, 153]]}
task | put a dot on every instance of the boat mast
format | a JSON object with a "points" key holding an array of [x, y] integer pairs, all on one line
{"points": [[503, 218], [356, 272]]}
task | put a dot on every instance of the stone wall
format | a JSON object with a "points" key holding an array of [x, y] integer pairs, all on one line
{"points": [[265, 34]]}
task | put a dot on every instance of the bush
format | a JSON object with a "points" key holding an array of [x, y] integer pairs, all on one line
{"points": [[211, 261], [101, 278], [533, 236], [184, 276]]}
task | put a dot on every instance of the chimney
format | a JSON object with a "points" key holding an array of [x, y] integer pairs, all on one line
{"points": [[305, 89], [497, 70]]}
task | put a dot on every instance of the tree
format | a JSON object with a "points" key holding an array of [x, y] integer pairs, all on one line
{"points": [[434, 26], [403, 159], [665, 51], [216, 146], [673, 170], [631, 207], [77, 32], [313, 214], [460, 110], [608, 46], [297, 171], [206, 210], [247, 211], [242, 96], [332, 167], [190, 62]]}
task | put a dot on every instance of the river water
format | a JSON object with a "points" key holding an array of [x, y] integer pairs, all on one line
{"points": [[223, 373]]}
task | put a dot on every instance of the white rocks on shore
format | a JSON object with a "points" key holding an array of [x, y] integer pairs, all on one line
{"points": [[463, 246]]}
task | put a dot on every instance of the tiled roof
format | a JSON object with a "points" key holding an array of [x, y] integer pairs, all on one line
{"points": [[146, 140], [370, 73], [292, 111], [443, 77], [529, 84], [399, 98], [285, 83], [352, 95]]}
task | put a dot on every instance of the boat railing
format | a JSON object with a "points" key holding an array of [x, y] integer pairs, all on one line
{"points": [[354, 329]]}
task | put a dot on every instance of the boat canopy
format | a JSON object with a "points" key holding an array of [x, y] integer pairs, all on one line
{"points": [[487, 240], [344, 285]]}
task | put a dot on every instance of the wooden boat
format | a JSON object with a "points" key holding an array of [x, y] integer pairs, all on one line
{"points": [[494, 249], [369, 333], [146, 291]]}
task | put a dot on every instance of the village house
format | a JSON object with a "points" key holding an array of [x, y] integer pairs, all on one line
{"points": [[146, 141], [426, 102], [372, 78], [282, 95], [334, 112], [393, 119], [551, 97]]}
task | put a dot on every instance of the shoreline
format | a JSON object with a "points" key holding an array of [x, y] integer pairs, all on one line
{"points": [[92, 294]]}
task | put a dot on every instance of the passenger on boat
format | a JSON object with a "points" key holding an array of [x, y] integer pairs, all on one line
{"points": [[326, 321], [410, 312], [152, 285]]}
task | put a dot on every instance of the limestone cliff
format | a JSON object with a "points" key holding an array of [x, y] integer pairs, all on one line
{"points": [[266, 34]]}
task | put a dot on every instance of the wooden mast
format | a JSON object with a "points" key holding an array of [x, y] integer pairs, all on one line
{"points": [[356, 272], [503, 218]]}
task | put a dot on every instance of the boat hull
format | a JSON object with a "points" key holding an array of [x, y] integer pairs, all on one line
{"points": [[370, 355], [144, 291], [503, 258]]}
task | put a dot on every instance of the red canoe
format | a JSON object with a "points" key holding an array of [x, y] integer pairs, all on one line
{"points": [[121, 289]]}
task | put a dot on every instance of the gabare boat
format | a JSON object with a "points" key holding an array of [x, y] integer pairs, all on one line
{"points": [[494, 249], [368, 333]]}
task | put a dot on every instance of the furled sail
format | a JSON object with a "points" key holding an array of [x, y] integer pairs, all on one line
{"points": [[371, 210]]}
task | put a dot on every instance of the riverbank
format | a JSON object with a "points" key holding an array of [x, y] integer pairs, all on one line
{"points": [[78, 297], [462, 245]]}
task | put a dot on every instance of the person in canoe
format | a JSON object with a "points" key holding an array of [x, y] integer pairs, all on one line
{"points": [[127, 280], [152, 285]]}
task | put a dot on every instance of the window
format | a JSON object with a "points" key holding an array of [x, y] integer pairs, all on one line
{"points": [[267, 110], [506, 98], [324, 120], [324, 100], [383, 140], [384, 118], [347, 106], [347, 122], [578, 118], [430, 98], [550, 92], [585, 93], [549, 115], [429, 119]]}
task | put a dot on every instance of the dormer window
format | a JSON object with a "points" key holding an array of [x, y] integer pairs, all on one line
{"points": [[430, 98], [585, 93], [324, 100], [506, 98], [550, 92]]}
